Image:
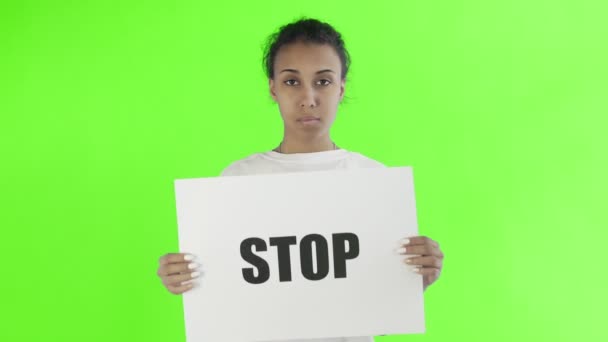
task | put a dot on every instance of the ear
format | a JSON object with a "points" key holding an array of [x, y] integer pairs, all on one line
{"points": [[342, 85], [272, 89]]}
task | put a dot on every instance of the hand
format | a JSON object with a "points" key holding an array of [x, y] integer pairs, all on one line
{"points": [[175, 270], [428, 256]]}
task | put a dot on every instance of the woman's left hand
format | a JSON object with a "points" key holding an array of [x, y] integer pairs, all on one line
{"points": [[427, 257]]}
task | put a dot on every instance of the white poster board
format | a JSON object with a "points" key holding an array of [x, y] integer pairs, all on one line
{"points": [[357, 286]]}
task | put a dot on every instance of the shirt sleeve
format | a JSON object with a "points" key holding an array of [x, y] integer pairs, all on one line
{"points": [[230, 170]]}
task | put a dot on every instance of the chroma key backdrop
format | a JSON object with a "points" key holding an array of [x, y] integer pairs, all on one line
{"points": [[499, 106]]}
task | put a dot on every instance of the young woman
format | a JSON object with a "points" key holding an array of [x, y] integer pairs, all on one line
{"points": [[306, 64]]}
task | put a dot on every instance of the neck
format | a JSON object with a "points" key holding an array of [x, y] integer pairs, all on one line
{"points": [[289, 146]]}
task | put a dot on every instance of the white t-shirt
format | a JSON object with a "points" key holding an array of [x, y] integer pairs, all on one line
{"points": [[274, 162]]}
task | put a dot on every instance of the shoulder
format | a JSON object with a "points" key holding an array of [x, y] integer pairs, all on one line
{"points": [[364, 161], [240, 166]]}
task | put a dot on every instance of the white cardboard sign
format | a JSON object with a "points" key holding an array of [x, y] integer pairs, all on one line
{"points": [[300, 255]]}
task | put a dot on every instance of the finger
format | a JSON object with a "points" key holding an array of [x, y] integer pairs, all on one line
{"points": [[177, 280], [180, 289], [431, 272], [171, 258], [423, 250], [427, 261], [172, 269], [419, 240]]}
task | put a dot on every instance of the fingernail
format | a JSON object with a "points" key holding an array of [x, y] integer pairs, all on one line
{"points": [[400, 250], [416, 270], [404, 241], [189, 257], [195, 274], [192, 265], [408, 261]]}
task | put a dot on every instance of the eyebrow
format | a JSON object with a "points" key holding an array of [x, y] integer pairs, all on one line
{"points": [[297, 72]]}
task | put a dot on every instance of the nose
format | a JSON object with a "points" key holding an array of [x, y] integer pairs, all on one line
{"points": [[308, 99]]}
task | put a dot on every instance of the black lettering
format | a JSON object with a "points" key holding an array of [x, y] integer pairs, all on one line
{"points": [[255, 260], [306, 257], [340, 253], [283, 244]]}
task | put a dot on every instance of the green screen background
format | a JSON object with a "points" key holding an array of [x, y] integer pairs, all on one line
{"points": [[500, 107]]}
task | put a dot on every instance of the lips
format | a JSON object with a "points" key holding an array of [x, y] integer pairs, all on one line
{"points": [[308, 118]]}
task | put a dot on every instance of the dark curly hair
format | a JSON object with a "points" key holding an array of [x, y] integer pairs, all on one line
{"points": [[305, 30]]}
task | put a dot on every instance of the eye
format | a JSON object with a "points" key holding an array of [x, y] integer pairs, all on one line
{"points": [[328, 82], [290, 80]]}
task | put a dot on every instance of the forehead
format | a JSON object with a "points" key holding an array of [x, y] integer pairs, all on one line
{"points": [[307, 56]]}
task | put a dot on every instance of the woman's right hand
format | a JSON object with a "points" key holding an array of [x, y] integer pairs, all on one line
{"points": [[175, 270]]}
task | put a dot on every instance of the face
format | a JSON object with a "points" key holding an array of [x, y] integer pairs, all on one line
{"points": [[308, 87]]}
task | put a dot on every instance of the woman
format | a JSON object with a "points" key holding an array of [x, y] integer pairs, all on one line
{"points": [[306, 64]]}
